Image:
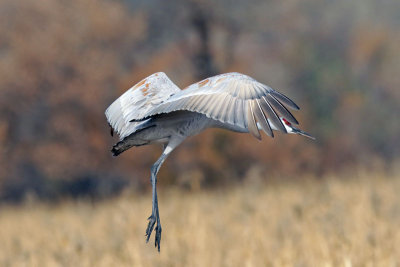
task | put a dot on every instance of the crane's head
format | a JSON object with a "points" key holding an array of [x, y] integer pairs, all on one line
{"points": [[291, 129]]}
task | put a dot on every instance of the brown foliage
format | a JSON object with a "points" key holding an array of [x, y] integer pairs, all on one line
{"points": [[335, 221], [62, 63]]}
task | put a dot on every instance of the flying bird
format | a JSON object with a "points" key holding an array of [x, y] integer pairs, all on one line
{"points": [[155, 110]]}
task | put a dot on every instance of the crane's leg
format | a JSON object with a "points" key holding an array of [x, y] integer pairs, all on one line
{"points": [[155, 217]]}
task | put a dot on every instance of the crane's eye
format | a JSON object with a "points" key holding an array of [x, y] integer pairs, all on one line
{"points": [[286, 122]]}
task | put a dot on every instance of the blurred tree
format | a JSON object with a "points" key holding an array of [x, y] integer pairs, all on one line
{"points": [[202, 59], [62, 63]]}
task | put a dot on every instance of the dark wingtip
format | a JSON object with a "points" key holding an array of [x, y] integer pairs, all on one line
{"points": [[281, 109], [294, 106], [286, 100]]}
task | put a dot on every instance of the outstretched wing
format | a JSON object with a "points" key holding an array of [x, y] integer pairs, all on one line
{"points": [[135, 103], [235, 99]]}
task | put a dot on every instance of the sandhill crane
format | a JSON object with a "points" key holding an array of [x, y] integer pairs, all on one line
{"points": [[155, 110]]}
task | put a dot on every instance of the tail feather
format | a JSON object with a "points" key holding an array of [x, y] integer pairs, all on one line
{"points": [[125, 144], [120, 147]]}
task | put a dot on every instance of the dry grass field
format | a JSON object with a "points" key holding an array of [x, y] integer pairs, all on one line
{"points": [[353, 220]]}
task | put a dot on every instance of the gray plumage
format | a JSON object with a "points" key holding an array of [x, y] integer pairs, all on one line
{"points": [[156, 111]]}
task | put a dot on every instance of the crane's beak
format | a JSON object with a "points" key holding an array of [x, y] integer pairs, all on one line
{"points": [[300, 132]]}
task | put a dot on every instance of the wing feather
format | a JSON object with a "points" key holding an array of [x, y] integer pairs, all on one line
{"points": [[234, 88], [192, 102], [262, 119], [219, 111], [227, 111], [212, 104], [253, 129], [230, 98], [281, 109], [240, 113], [136, 102], [285, 100], [271, 114], [201, 103]]}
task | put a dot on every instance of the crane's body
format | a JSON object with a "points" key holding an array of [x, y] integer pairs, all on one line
{"points": [[161, 128], [156, 111]]}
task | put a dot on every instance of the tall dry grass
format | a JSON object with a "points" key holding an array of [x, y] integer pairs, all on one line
{"points": [[347, 221]]}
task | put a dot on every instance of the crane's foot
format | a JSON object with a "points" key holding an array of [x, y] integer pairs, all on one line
{"points": [[152, 220], [150, 226], [158, 236]]}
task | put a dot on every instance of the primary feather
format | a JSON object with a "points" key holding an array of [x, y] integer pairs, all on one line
{"points": [[231, 98], [228, 98]]}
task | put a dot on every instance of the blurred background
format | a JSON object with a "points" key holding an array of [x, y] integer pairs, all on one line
{"points": [[62, 63]]}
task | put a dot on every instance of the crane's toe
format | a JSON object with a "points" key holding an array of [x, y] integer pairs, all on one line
{"points": [[150, 226], [158, 236]]}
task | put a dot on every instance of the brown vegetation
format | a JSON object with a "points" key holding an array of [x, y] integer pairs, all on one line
{"points": [[62, 63], [351, 220]]}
